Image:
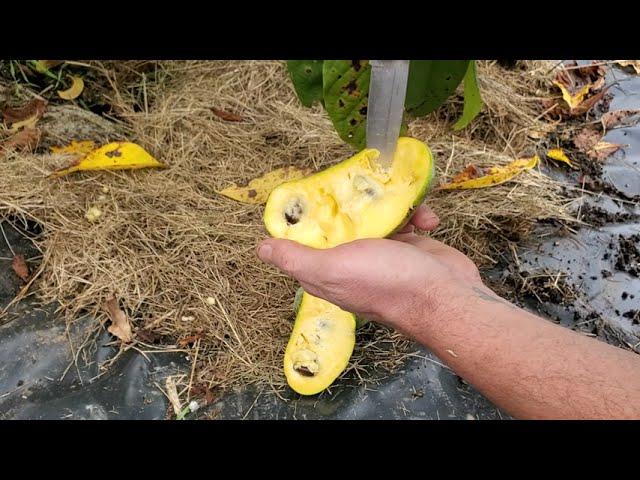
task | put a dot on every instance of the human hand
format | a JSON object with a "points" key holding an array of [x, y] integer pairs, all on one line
{"points": [[397, 281]]}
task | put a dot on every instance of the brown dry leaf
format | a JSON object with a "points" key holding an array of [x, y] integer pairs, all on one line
{"points": [[148, 336], [476, 177], [469, 173], [630, 63], [24, 140], [576, 84], [617, 117], [228, 116], [588, 104], [559, 155], [573, 77], [190, 339], [74, 91], [20, 267], [26, 115], [602, 150], [203, 392], [259, 189], [587, 138], [120, 325], [172, 393]]}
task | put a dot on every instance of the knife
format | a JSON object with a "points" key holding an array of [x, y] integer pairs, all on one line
{"points": [[387, 91]]}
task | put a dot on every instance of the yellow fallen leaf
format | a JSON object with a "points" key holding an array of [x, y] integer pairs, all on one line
{"points": [[74, 91], [43, 66], [113, 156], [120, 325], [474, 177], [577, 98], [630, 63], [558, 154], [81, 147], [259, 189]]}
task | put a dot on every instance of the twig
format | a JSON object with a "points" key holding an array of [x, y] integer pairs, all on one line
{"points": [[252, 405], [193, 369]]}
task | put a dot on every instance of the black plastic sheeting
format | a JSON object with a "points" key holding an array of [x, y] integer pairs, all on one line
{"points": [[40, 380]]}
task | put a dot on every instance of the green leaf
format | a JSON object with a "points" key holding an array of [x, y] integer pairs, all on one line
{"points": [[307, 80], [346, 95], [431, 82], [472, 98]]}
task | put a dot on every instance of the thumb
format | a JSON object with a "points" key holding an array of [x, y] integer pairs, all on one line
{"points": [[292, 258]]}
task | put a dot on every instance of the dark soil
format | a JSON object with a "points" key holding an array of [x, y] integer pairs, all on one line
{"points": [[628, 258], [542, 286], [599, 217], [634, 315]]}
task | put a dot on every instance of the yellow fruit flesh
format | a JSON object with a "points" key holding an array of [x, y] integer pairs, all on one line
{"points": [[320, 345], [354, 199]]}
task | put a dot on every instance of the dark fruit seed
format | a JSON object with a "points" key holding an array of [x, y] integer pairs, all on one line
{"points": [[304, 371], [292, 213]]}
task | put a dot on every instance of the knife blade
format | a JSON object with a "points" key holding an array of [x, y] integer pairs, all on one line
{"points": [[387, 91]]}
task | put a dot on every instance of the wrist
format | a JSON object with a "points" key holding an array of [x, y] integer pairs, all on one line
{"points": [[429, 309]]}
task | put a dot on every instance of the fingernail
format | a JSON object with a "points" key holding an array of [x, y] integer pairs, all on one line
{"points": [[264, 252]]}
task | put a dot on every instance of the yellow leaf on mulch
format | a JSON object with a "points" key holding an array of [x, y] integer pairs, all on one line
{"points": [[120, 325], [43, 66], [602, 150], [577, 98], [113, 156], [559, 155], [82, 147], [630, 63], [477, 177], [74, 91], [259, 189]]}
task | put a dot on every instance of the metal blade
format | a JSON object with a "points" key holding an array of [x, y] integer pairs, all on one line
{"points": [[387, 92]]}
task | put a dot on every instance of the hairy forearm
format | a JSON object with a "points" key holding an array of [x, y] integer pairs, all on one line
{"points": [[528, 366]]}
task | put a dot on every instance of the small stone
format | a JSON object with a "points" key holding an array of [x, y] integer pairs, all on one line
{"points": [[210, 301]]}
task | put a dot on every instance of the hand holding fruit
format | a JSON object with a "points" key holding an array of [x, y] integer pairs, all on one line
{"points": [[395, 281]]}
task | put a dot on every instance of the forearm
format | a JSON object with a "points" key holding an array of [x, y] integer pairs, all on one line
{"points": [[528, 366]]}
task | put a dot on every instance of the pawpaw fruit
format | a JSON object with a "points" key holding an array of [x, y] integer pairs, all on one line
{"points": [[354, 199]]}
